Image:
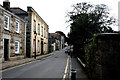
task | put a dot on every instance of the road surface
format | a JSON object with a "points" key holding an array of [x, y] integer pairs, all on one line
{"points": [[54, 67]]}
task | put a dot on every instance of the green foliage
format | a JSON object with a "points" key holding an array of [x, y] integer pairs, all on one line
{"points": [[92, 58], [88, 19]]}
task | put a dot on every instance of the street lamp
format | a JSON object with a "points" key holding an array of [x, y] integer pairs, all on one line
{"points": [[35, 44]]}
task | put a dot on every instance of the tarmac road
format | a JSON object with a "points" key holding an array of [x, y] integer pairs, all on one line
{"points": [[52, 67], [55, 67]]}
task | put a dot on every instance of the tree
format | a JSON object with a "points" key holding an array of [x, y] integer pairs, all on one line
{"points": [[88, 19]]}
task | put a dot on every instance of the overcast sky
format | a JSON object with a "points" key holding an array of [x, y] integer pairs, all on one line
{"points": [[54, 11]]}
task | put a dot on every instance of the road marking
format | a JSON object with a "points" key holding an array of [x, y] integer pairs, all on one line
{"points": [[66, 69], [17, 66]]}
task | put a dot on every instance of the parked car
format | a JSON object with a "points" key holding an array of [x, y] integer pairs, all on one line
{"points": [[67, 50]]}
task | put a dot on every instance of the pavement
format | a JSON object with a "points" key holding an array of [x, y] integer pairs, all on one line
{"points": [[79, 68], [8, 64]]}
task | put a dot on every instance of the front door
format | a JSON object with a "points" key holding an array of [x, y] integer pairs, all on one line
{"points": [[6, 49]]}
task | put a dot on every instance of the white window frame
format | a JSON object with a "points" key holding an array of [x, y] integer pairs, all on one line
{"points": [[17, 50], [17, 22], [8, 21]]}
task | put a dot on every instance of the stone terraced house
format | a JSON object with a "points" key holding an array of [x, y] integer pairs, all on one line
{"points": [[12, 34]]}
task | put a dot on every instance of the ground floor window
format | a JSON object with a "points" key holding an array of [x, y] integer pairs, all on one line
{"points": [[17, 47], [38, 46], [34, 45]]}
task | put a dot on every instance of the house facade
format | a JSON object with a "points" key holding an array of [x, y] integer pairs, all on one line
{"points": [[36, 31], [37, 34], [12, 34]]}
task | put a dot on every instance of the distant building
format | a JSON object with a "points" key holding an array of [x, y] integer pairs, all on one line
{"points": [[56, 41], [62, 39], [12, 34], [36, 31], [53, 42]]}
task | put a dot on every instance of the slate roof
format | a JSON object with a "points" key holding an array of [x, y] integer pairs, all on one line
{"points": [[18, 11]]}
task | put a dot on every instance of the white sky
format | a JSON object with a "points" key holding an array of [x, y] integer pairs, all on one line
{"points": [[54, 11]]}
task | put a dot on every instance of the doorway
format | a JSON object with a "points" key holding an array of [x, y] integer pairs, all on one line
{"points": [[6, 49]]}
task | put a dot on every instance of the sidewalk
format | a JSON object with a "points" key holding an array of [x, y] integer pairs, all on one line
{"points": [[76, 65], [8, 64]]}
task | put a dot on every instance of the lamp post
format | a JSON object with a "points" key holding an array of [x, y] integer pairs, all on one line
{"points": [[35, 44]]}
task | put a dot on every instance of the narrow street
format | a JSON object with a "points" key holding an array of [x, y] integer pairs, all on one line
{"points": [[52, 67]]}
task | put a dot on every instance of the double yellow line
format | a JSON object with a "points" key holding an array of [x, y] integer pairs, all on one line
{"points": [[66, 69]]}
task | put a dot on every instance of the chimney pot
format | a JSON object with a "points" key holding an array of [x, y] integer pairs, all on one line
{"points": [[6, 4]]}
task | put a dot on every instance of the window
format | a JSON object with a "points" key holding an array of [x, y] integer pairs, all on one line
{"points": [[42, 31], [46, 34], [38, 46], [17, 46], [38, 29], [0, 23], [17, 27], [44, 47], [34, 25], [6, 22], [34, 45]]}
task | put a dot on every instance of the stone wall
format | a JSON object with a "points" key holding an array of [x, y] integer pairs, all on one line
{"points": [[12, 36], [103, 57]]}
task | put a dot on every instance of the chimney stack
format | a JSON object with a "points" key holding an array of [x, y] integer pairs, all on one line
{"points": [[6, 4]]}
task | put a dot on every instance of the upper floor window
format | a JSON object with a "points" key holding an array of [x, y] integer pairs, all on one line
{"points": [[34, 26], [17, 46], [42, 31], [17, 27], [46, 34], [38, 28], [6, 22]]}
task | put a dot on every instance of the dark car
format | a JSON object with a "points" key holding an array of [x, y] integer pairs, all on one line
{"points": [[67, 50]]}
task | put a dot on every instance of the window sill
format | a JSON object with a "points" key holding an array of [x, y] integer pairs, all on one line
{"points": [[6, 29], [17, 53], [17, 33]]}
